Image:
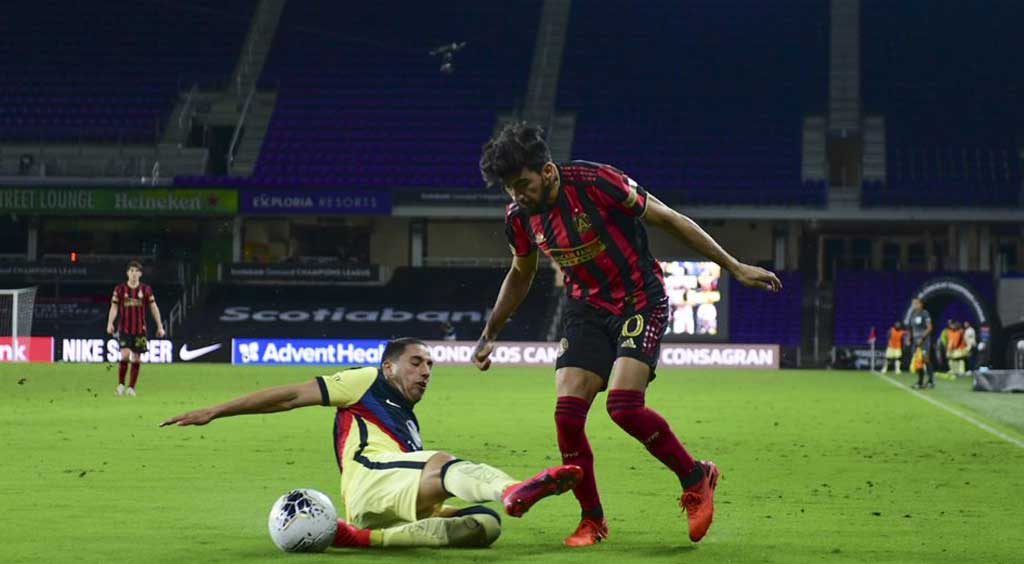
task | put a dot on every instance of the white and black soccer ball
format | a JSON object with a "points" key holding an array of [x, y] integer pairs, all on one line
{"points": [[303, 520]]}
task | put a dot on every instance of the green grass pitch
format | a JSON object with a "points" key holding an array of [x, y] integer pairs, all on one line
{"points": [[817, 467]]}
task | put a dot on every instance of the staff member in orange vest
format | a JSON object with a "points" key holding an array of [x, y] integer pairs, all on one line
{"points": [[894, 350], [956, 349]]}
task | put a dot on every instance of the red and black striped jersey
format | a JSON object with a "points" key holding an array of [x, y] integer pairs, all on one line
{"points": [[594, 232], [132, 304]]}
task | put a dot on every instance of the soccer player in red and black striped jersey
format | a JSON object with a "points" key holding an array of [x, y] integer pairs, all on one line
{"points": [[590, 219], [128, 304]]}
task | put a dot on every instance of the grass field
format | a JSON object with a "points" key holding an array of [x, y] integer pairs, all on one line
{"points": [[817, 467]]}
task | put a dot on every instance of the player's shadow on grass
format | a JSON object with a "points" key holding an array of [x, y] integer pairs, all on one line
{"points": [[628, 551]]}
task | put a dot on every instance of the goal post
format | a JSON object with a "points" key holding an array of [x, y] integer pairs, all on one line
{"points": [[16, 312]]}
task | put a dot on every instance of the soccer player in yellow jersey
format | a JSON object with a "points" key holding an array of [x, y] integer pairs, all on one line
{"points": [[393, 489]]}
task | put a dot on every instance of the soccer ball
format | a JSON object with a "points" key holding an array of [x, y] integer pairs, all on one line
{"points": [[303, 521]]}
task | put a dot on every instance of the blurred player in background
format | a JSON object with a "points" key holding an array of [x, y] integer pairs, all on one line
{"points": [[393, 489], [971, 340], [941, 351], [128, 304], [956, 349], [894, 347], [589, 218]]}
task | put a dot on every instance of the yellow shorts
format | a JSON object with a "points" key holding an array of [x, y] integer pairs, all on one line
{"points": [[893, 353], [384, 496]]}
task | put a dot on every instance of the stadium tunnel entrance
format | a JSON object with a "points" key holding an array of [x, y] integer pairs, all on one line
{"points": [[952, 298]]}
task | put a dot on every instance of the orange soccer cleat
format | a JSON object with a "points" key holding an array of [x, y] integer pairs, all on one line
{"points": [[699, 501], [520, 497], [591, 531]]}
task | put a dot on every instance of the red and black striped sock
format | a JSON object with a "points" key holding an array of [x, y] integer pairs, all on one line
{"points": [[627, 409], [135, 375], [122, 367], [571, 422]]}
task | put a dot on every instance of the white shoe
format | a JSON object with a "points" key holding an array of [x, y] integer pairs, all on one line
{"points": [[131, 392], [120, 390]]}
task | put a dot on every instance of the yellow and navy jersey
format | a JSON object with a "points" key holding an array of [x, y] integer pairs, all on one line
{"points": [[373, 417]]}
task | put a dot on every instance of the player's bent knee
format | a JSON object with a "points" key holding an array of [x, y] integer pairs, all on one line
{"points": [[620, 417], [438, 460], [623, 410], [578, 382], [474, 527]]}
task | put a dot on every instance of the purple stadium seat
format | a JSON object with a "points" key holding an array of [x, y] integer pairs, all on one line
{"points": [[951, 138], [118, 69]]}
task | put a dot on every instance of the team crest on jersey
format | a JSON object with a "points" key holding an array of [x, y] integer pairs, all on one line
{"points": [[582, 222], [539, 238]]}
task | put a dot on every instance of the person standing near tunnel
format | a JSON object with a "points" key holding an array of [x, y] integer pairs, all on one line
{"points": [[920, 338]]}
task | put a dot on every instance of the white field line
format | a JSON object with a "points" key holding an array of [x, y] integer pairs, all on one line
{"points": [[1013, 441]]}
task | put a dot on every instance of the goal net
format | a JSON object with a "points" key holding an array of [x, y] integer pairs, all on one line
{"points": [[16, 307]]}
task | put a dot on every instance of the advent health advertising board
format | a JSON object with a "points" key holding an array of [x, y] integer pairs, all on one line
{"points": [[367, 352]]}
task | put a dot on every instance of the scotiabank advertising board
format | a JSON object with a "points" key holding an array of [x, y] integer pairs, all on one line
{"points": [[28, 349], [363, 352]]}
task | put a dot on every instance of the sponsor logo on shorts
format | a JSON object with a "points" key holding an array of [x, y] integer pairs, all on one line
{"points": [[563, 346], [633, 326]]}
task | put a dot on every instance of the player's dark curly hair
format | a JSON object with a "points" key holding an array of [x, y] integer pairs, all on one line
{"points": [[134, 264], [518, 145], [395, 347]]}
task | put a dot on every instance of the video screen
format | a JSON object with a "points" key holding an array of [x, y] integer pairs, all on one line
{"points": [[697, 294]]}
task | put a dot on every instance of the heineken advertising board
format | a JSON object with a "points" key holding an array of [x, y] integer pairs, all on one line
{"points": [[119, 201]]}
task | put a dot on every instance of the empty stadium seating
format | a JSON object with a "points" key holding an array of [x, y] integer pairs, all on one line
{"points": [[363, 111], [941, 74], [362, 103], [866, 299], [756, 316], [74, 73], [704, 97]]}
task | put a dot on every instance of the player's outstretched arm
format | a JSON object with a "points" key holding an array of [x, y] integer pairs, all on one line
{"points": [[512, 293], [270, 400], [687, 231]]}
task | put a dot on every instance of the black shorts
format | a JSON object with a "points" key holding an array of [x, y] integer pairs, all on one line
{"points": [[926, 348], [135, 343], [593, 338]]}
